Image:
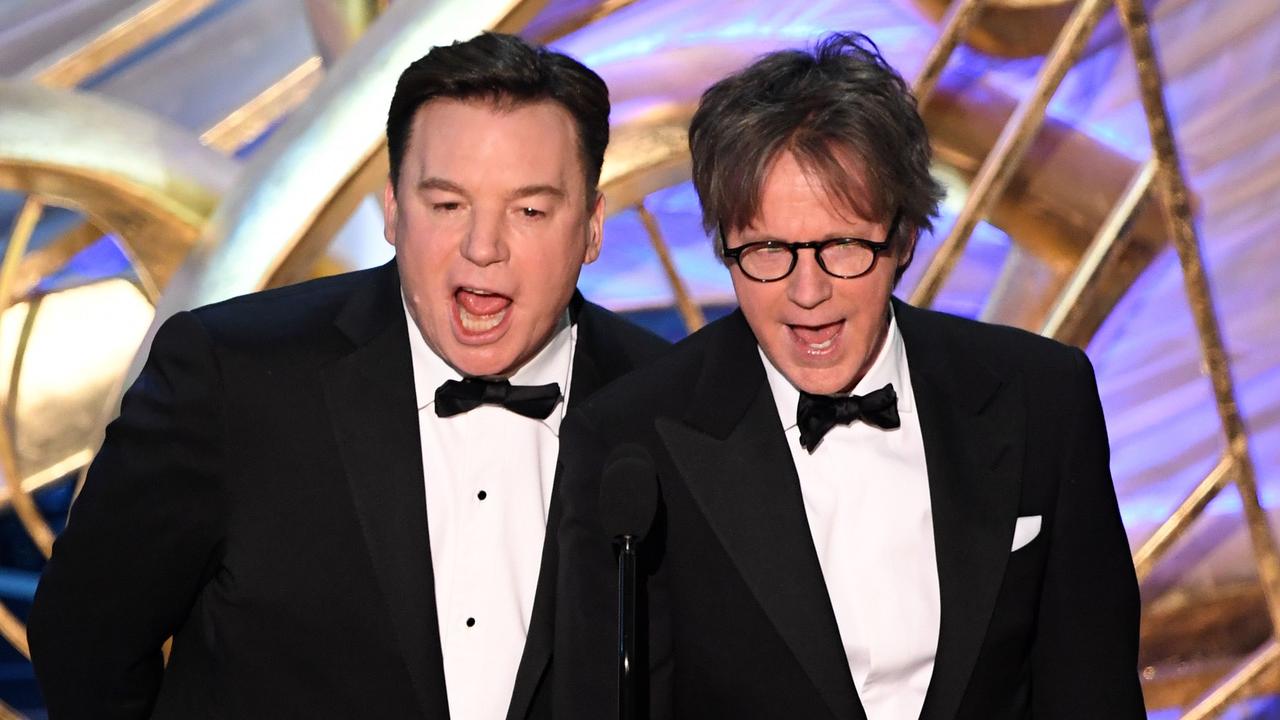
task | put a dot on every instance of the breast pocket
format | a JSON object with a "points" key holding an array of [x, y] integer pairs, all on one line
{"points": [[1025, 530]]}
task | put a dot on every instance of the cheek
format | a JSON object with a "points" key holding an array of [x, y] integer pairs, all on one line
{"points": [[424, 267], [759, 303]]}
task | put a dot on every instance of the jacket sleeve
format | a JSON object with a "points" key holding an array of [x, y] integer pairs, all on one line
{"points": [[1085, 659], [141, 541]]}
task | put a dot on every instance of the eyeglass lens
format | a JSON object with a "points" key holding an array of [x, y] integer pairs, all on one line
{"points": [[844, 259]]}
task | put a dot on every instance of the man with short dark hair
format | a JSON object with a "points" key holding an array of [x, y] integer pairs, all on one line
{"points": [[866, 510], [334, 496]]}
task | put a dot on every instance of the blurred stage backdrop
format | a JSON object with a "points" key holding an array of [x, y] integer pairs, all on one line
{"points": [[1113, 168]]}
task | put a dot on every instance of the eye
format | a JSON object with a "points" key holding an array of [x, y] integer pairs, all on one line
{"points": [[446, 207], [532, 212]]}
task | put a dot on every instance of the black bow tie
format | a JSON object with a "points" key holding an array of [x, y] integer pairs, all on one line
{"points": [[531, 401], [817, 414]]}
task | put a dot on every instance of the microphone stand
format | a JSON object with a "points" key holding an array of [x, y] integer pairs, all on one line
{"points": [[628, 673]]}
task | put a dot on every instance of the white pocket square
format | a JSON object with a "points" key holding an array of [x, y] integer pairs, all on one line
{"points": [[1026, 530]]}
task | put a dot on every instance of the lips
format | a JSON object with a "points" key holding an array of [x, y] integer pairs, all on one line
{"points": [[480, 311], [816, 339]]}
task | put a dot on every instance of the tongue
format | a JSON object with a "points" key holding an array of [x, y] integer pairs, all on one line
{"points": [[477, 304], [816, 335]]}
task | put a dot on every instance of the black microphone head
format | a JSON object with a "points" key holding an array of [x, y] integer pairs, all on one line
{"points": [[628, 492]]}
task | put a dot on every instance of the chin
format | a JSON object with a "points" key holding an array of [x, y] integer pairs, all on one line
{"points": [[820, 380], [479, 362]]}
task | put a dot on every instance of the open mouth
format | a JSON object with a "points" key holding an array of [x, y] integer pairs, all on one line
{"points": [[816, 339], [480, 312]]}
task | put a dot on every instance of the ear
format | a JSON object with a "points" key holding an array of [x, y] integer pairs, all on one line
{"points": [[595, 230], [390, 212], [908, 251]]}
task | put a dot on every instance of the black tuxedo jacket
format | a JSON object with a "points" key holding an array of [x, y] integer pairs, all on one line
{"points": [[261, 499], [740, 624]]}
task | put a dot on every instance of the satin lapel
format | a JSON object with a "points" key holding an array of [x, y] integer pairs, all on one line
{"points": [[375, 419], [971, 421], [732, 455], [592, 359]]}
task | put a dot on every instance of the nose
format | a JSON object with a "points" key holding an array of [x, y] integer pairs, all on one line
{"points": [[485, 243], [808, 285]]}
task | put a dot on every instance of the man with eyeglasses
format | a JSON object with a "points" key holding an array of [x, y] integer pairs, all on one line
{"points": [[865, 509]]}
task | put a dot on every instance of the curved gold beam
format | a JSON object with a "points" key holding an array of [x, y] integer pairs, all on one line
{"points": [[111, 41], [249, 121], [690, 313], [644, 156], [77, 344], [336, 25], [130, 173], [41, 534], [1008, 28], [564, 18]]}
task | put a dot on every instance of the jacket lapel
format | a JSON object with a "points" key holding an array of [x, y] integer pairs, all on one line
{"points": [[731, 452], [375, 419], [970, 419]]}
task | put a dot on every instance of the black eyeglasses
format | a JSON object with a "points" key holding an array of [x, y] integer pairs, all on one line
{"points": [[773, 260]]}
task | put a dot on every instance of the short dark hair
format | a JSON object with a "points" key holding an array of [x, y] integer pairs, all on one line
{"points": [[507, 70], [839, 103]]}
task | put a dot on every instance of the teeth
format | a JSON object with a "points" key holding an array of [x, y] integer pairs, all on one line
{"points": [[480, 323], [822, 345], [474, 291]]}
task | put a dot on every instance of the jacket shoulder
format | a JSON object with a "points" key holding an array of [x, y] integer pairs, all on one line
{"points": [[1002, 348], [660, 387], [284, 315], [619, 336]]}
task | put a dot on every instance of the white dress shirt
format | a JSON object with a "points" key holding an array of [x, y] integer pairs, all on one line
{"points": [[866, 494], [489, 475]]}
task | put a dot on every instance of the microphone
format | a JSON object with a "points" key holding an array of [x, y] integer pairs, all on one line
{"points": [[628, 493], [628, 502]]}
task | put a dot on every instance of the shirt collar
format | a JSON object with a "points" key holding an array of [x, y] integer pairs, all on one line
{"points": [[552, 364], [890, 366]]}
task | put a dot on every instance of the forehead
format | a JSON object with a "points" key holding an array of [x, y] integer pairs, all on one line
{"points": [[798, 200], [486, 142]]}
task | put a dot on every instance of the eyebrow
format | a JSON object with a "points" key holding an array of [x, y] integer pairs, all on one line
{"points": [[530, 190], [439, 183]]}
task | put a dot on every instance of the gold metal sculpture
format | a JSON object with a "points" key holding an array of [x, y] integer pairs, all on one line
{"points": [[127, 173], [1164, 170], [689, 311], [1011, 148], [127, 31], [1009, 28]]}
